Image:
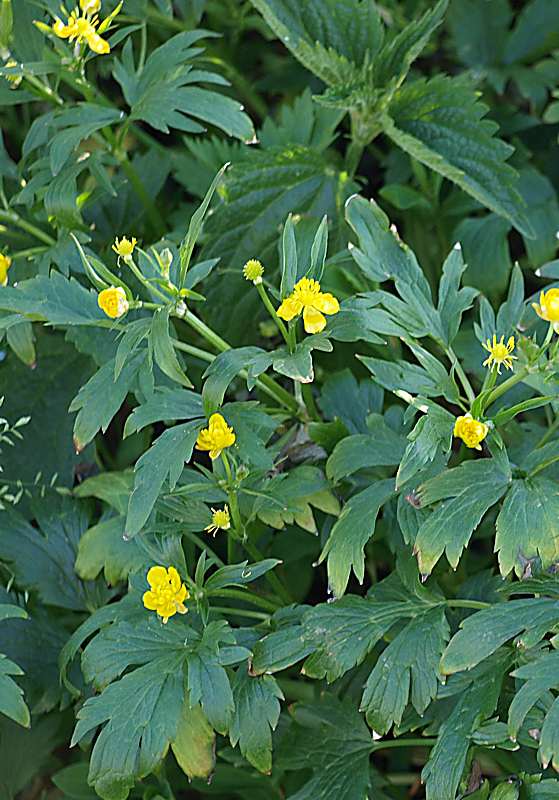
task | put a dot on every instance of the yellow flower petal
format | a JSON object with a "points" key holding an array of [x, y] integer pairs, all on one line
{"points": [[156, 577], [174, 579], [98, 44], [313, 320], [150, 601], [290, 308], [326, 303]]}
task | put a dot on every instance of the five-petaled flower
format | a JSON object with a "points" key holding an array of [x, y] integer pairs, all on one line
{"points": [[216, 437], [5, 264], [113, 302], [308, 298], [221, 520], [548, 307], [253, 271], [83, 27], [499, 353], [166, 594], [125, 247], [471, 431]]}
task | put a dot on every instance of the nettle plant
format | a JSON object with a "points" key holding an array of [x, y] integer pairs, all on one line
{"points": [[301, 540]]}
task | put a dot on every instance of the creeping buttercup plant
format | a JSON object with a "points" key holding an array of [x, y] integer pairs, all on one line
{"points": [[279, 311]]}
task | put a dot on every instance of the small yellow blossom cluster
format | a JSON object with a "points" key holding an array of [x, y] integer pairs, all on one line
{"points": [[216, 437], [81, 26], [221, 520], [253, 271], [471, 431], [548, 307], [5, 264], [166, 594], [499, 353], [307, 298], [113, 302]]}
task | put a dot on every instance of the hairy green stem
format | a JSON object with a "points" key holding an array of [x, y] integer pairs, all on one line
{"points": [[478, 604], [404, 743], [504, 387], [246, 597], [241, 612], [13, 218], [268, 385], [467, 386], [272, 311]]}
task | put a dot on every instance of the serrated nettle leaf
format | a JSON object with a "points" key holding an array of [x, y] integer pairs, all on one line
{"points": [[331, 39], [164, 460], [398, 54], [440, 123], [406, 670], [345, 547], [260, 189]]}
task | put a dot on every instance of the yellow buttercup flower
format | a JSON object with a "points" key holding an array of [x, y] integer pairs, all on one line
{"points": [[113, 302], [253, 271], [499, 353], [5, 264], [221, 520], [308, 298], [216, 437], [82, 28], [471, 431], [125, 247], [548, 307], [166, 594]]}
